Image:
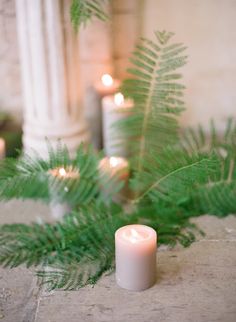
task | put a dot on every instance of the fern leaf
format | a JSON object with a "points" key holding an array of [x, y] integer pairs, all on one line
{"points": [[31, 177], [82, 11], [155, 92]]}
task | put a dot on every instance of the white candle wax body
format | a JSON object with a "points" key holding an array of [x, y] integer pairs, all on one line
{"points": [[57, 207], [136, 247], [2, 148], [114, 169], [111, 113], [93, 109]]}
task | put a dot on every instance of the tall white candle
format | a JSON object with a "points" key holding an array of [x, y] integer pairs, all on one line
{"points": [[2, 148], [93, 109], [114, 108], [136, 247]]}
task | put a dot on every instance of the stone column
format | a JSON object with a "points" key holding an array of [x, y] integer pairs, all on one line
{"points": [[126, 25], [50, 74]]}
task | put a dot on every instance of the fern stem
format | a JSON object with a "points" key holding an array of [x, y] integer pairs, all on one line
{"points": [[146, 113], [135, 201], [231, 169]]}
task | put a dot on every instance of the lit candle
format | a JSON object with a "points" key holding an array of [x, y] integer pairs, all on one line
{"points": [[114, 108], [58, 208], [105, 86], [2, 148], [136, 247], [116, 168], [62, 173]]}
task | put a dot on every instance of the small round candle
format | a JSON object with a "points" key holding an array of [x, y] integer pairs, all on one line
{"points": [[136, 247], [115, 166]]}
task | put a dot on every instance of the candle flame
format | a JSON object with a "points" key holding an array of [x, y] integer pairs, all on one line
{"points": [[134, 233], [135, 236], [113, 162], [119, 99], [107, 80], [62, 172]]}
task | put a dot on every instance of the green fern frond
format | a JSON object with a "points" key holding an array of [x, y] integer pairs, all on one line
{"points": [[172, 175], [75, 276], [157, 98], [31, 177], [82, 11], [206, 140], [217, 195], [87, 233], [79, 249]]}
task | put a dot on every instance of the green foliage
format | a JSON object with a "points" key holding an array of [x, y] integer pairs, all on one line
{"points": [[32, 177], [174, 177], [217, 194], [79, 249], [82, 11], [157, 95]]}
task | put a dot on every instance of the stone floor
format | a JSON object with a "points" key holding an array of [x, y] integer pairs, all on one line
{"points": [[194, 285]]}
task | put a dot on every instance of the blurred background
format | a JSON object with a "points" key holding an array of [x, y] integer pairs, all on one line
{"points": [[207, 27]]}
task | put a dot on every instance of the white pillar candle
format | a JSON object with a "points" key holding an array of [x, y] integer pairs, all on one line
{"points": [[114, 108], [93, 109], [58, 208], [116, 168], [2, 148], [136, 247]]}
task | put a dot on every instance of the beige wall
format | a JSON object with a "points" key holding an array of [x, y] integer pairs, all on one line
{"points": [[10, 87], [208, 27]]}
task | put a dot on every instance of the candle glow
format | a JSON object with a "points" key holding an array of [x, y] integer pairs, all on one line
{"points": [[62, 172], [115, 166], [107, 80], [119, 99], [113, 162], [135, 236], [68, 173]]}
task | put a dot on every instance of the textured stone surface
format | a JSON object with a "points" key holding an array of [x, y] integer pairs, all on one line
{"points": [[193, 284]]}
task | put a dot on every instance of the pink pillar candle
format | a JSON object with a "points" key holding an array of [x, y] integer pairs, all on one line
{"points": [[136, 247]]}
